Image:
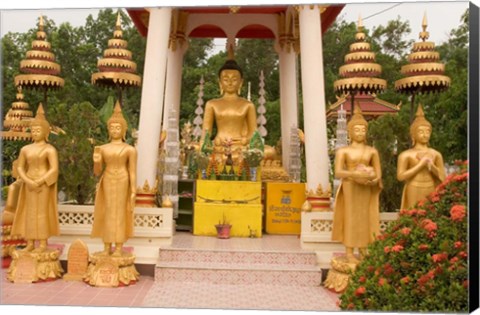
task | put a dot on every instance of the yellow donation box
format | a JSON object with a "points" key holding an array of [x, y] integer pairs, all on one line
{"points": [[239, 203], [283, 207]]}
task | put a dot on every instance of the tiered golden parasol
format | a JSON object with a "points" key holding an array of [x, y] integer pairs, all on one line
{"points": [[424, 73], [360, 70], [39, 69], [18, 120], [117, 70]]}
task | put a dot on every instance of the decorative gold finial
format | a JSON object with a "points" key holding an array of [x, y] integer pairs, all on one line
{"points": [[118, 25], [424, 34], [41, 23], [230, 53], [360, 23], [117, 33]]}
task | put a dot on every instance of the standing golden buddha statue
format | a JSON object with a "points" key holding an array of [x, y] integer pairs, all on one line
{"points": [[116, 190], [113, 214], [36, 216], [356, 219], [234, 117], [420, 167]]}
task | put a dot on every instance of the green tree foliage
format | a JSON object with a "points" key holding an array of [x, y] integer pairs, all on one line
{"points": [[80, 127], [253, 56], [389, 145], [336, 44], [77, 50], [196, 65], [448, 111], [392, 38]]}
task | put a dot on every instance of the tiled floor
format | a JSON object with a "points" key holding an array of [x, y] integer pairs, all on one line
{"points": [[146, 293], [249, 297], [73, 293]]}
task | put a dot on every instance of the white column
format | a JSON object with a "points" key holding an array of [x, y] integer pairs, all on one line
{"points": [[151, 106], [173, 86], [288, 100], [313, 88]]}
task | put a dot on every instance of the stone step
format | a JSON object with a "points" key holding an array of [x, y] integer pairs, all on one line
{"points": [[297, 268], [252, 257], [234, 275]]}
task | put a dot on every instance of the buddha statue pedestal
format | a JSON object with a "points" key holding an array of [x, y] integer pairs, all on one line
{"points": [[339, 276], [111, 271], [238, 203], [34, 266], [9, 243]]}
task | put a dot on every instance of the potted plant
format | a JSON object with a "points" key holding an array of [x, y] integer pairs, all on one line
{"points": [[223, 228]]}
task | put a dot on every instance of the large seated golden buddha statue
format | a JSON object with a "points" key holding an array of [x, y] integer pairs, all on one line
{"points": [[233, 116]]}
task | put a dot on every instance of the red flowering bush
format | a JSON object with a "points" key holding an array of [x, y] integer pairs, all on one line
{"points": [[420, 262]]}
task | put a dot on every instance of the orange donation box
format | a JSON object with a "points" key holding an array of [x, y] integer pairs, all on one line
{"points": [[283, 207]]}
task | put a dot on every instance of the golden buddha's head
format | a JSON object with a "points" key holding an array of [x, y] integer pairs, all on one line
{"points": [[357, 126], [117, 125], [39, 126], [420, 129], [230, 75]]}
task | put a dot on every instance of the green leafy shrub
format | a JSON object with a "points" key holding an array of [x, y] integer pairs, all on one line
{"points": [[420, 262]]}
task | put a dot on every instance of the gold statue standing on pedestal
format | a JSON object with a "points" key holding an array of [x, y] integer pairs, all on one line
{"points": [[116, 192], [234, 116], [421, 167], [36, 216], [356, 219]]}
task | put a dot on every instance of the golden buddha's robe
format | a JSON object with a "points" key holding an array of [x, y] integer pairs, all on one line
{"points": [[234, 119], [113, 213], [356, 219], [36, 215], [421, 184]]}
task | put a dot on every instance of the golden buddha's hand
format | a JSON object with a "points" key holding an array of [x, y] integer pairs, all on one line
{"points": [[372, 182], [133, 197], [425, 158], [32, 185], [97, 154]]}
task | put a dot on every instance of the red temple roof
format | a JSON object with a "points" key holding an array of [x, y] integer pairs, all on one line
{"points": [[370, 105]]}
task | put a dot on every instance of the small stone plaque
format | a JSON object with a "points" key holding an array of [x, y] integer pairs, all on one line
{"points": [[25, 269], [77, 261], [106, 273]]}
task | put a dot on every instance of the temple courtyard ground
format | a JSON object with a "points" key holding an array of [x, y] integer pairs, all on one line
{"points": [[198, 287]]}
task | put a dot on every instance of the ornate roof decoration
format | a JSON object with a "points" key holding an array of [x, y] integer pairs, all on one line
{"points": [[424, 73], [359, 74], [116, 69], [371, 106], [39, 67], [18, 119]]}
